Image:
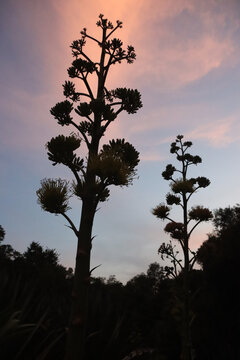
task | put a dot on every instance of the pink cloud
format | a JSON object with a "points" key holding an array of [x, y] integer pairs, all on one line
{"points": [[218, 133], [200, 235], [168, 59], [165, 60], [31, 124], [151, 155], [165, 57]]}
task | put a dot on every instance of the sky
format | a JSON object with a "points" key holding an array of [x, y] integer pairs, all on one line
{"points": [[188, 72]]}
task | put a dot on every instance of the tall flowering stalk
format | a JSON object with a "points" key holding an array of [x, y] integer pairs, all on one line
{"points": [[96, 107], [182, 189]]}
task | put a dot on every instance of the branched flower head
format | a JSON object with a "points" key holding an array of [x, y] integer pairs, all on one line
{"points": [[179, 138], [77, 45], [61, 111], [199, 213], [84, 109], [165, 250], [61, 151], [169, 171], [123, 150], [180, 186], [202, 181], [173, 199], [114, 44], [86, 127], [69, 91], [196, 160], [110, 170], [53, 195], [81, 66], [104, 23], [176, 230], [161, 211], [131, 55], [131, 99], [174, 148], [116, 163], [187, 144]]}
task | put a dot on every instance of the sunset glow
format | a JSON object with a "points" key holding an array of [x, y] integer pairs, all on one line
{"points": [[188, 72]]}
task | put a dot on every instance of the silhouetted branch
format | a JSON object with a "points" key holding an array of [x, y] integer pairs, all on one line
{"points": [[92, 38], [190, 232], [81, 132], [72, 226], [116, 27]]}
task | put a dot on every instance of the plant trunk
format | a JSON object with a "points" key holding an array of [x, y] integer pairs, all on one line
{"points": [[78, 318], [186, 333]]}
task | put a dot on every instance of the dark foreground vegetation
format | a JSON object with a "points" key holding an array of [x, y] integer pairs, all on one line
{"points": [[141, 319]]}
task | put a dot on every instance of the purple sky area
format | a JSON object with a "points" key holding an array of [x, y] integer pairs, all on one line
{"points": [[188, 71]]}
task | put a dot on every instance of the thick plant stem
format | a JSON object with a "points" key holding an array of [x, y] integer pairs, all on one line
{"points": [[186, 334], [78, 319], [75, 347]]}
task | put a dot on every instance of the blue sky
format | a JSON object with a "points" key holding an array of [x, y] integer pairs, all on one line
{"points": [[188, 71]]}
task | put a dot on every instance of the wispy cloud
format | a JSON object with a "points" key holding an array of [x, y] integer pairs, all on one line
{"points": [[177, 43], [182, 43], [152, 155], [218, 133]]}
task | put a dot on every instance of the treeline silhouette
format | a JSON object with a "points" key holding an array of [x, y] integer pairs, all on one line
{"points": [[141, 319]]}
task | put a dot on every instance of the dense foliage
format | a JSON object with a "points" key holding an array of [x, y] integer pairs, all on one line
{"points": [[140, 319]]}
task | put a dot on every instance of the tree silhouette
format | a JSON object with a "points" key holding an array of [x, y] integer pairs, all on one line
{"points": [[219, 258], [182, 190], [37, 256], [221, 249], [225, 218], [2, 233], [7, 253], [113, 164]]}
